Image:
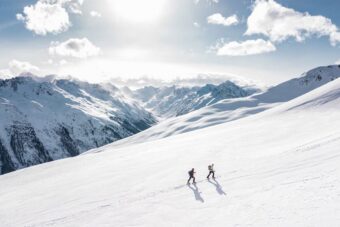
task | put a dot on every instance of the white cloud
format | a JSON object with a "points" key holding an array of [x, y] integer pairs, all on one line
{"points": [[95, 14], [209, 1], [280, 23], [5, 74], [338, 62], [43, 18], [16, 67], [21, 17], [77, 48], [217, 18], [197, 25], [249, 47], [49, 16], [335, 38], [72, 6]]}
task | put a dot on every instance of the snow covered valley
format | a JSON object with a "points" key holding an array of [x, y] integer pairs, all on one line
{"points": [[278, 167]]}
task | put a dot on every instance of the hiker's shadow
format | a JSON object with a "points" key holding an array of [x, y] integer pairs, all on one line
{"points": [[219, 188], [196, 192]]}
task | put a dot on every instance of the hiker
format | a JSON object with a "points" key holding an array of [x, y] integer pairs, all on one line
{"points": [[211, 171], [191, 176]]}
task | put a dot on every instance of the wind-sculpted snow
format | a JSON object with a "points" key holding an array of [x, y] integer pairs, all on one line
{"points": [[48, 120], [277, 168], [233, 109]]}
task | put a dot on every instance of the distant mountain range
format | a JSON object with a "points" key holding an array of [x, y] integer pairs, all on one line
{"points": [[172, 101], [236, 108], [45, 119]]}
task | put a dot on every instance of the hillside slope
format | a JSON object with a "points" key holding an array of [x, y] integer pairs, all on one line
{"points": [[232, 109], [276, 168], [45, 120]]}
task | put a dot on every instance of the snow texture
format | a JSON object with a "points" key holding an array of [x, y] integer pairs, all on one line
{"points": [[277, 168]]}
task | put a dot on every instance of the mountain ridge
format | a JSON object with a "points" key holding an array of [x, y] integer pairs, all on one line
{"points": [[232, 109], [174, 101], [59, 118], [44, 121]]}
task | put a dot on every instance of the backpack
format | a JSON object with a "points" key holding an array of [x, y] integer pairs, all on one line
{"points": [[209, 168]]}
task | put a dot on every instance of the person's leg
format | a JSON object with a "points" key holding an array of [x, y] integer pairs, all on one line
{"points": [[189, 179], [209, 174], [194, 180], [213, 174]]}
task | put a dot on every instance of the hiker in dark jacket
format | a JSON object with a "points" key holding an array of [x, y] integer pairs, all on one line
{"points": [[211, 171], [191, 176]]}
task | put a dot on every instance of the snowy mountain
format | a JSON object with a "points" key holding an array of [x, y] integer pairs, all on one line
{"points": [[233, 109], [174, 101], [278, 168], [44, 120]]}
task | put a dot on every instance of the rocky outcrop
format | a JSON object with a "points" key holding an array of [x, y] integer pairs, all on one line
{"points": [[23, 139], [67, 142], [6, 164]]}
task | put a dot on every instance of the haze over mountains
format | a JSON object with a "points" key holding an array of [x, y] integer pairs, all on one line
{"points": [[279, 168], [172, 101]]}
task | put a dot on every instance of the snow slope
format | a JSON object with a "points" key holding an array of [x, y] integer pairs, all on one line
{"points": [[233, 109], [276, 168], [42, 120]]}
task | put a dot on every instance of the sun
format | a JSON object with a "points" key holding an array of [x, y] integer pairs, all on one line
{"points": [[138, 11]]}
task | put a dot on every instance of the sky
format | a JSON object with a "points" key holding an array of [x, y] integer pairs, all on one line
{"points": [[268, 41]]}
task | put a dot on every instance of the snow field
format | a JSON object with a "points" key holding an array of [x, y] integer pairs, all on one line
{"points": [[276, 168]]}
